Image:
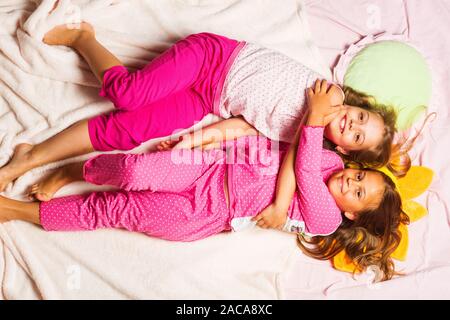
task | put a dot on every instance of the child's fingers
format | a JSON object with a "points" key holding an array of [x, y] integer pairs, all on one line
{"points": [[260, 223], [163, 145], [309, 93], [256, 218], [342, 111], [317, 86], [329, 117], [323, 86], [168, 144], [263, 225], [31, 192], [339, 112]]}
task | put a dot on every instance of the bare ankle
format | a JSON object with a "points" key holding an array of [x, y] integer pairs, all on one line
{"points": [[13, 210], [73, 172], [32, 157], [81, 39]]}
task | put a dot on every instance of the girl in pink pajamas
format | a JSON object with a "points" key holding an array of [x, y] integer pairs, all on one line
{"points": [[190, 194]]}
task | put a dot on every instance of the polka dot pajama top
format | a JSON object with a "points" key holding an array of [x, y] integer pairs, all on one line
{"points": [[179, 195], [267, 88], [254, 163]]}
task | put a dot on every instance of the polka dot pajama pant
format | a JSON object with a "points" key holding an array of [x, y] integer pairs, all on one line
{"points": [[170, 195]]}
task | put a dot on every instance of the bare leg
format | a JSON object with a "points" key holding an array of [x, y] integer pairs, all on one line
{"points": [[82, 39], [18, 210], [71, 142], [45, 189]]}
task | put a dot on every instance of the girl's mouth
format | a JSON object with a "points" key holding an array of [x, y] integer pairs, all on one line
{"points": [[343, 123]]}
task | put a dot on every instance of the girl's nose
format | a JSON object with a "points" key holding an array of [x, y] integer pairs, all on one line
{"points": [[352, 182], [354, 125], [349, 183], [350, 125]]}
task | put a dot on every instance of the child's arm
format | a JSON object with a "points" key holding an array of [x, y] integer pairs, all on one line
{"points": [[274, 216], [286, 183], [321, 112], [319, 212], [217, 132]]}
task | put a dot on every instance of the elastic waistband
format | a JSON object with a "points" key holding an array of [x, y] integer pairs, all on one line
{"points": [[224, 74]]}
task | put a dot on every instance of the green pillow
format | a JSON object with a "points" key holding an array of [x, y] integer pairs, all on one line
{"points": [[394, 73]]}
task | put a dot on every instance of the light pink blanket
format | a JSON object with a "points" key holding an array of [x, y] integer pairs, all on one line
{"points": [[335, 25]]}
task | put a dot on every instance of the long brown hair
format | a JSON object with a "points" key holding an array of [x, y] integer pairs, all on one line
{"points": [[369, 240], [385, 153]]}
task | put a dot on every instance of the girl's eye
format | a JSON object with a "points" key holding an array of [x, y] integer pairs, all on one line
{"points": [[358, 194], [357, 137], [361, 117], [359, 177]]}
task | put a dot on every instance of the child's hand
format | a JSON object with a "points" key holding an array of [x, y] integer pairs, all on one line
{"points": [[320, 102], [271, 217], [183, 142], [166, 145]]}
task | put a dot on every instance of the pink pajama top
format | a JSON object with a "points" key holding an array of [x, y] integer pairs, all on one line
{"points": [[253, 163]]}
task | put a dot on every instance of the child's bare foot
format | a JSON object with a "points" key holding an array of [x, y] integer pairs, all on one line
{"points": [[17, 166], [45, 189], [69, 35]]}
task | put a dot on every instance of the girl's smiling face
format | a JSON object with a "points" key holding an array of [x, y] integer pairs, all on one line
{"points": [[356, 190], [357, 129]]}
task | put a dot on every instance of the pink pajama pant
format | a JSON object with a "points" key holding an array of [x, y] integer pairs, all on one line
{"points": [[160, 196], [174, 91]]}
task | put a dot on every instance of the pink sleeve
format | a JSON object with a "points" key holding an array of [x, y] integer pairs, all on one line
{"points": [[319, 210]]}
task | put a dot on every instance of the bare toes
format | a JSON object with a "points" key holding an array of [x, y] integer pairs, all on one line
{"points": [[41, 196]]}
